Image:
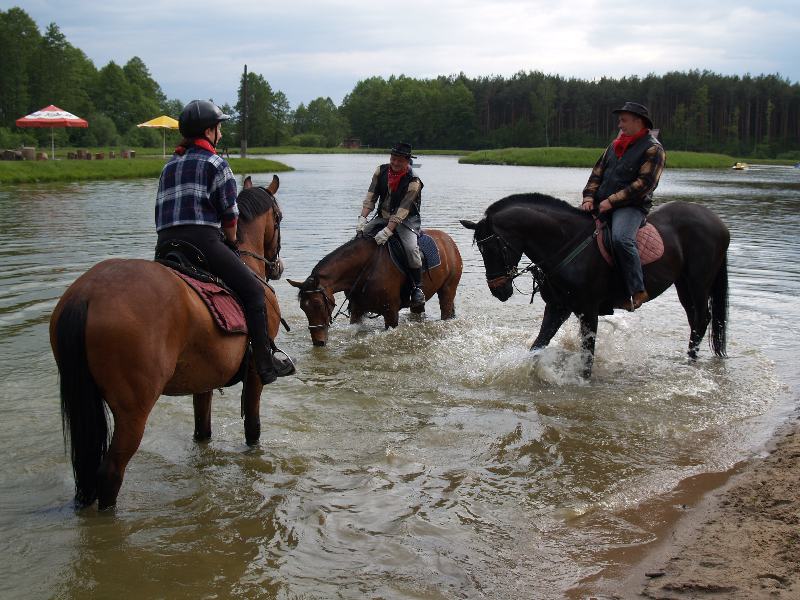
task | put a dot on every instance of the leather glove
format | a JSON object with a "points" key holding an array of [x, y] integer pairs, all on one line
{"points": [[362, 222], [383, 235]]}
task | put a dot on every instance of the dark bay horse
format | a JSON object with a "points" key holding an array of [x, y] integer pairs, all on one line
{"points": [[574, 278], [372, 283], [127, 331]]}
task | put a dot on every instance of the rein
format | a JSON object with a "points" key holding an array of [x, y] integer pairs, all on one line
{"points": [[537, 272], [330, 305]]}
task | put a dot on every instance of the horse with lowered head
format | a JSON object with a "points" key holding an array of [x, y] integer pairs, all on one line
{"points": [[128, 330], [574, 278], [373, 284]]}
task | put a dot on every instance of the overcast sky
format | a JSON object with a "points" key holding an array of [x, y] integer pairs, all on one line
{"points": [[307, 49]]}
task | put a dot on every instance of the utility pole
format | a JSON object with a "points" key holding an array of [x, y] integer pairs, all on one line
{"points": [[243, 124]]}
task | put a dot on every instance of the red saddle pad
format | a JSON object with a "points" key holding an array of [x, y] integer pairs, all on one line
{"points": [[648, 241], [225, 309]]}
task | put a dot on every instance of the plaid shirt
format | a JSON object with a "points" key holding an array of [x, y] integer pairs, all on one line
{"points": [[406, 203], [636, 193], [196, 188]]}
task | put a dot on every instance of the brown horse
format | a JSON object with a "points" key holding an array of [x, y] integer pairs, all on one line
{"points": [[373, 284], [127, 331]]}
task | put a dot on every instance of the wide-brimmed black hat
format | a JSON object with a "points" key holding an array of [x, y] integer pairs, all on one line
{"points": [[640, 110], [402, 149]]}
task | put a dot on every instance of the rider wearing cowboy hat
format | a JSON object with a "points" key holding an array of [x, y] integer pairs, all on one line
{"points": [[621, 185], [398, 193]]}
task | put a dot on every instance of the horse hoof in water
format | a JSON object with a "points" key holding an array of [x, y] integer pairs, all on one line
{"points": [[319, 343]]}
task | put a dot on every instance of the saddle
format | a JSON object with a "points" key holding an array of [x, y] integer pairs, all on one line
{"points": [[648, 241], [190, 265], [427, 247]]}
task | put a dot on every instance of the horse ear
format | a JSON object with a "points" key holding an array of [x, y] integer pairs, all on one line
{"points": [[273, 187], [294, 283], [468, 224], [248, 182]]}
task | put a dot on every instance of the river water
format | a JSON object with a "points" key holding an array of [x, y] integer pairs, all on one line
{"points": [[437, 460]]}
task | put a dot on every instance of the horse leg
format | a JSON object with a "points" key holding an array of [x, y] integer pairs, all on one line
{"points": [[696, 312], [588, 337], [202, 416], [128, 432], [355, 315], [251, 407], [447, 301], [391, 316], [554, 317]]}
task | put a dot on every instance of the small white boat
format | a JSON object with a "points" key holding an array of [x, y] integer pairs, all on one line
{"points": [[740, 166]]}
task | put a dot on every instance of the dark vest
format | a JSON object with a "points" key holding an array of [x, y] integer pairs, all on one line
{"points": [[399, 193], [619, 173]]}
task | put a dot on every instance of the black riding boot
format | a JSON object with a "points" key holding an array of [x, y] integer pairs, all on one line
{"points": [[261, 344], [417, 295]]}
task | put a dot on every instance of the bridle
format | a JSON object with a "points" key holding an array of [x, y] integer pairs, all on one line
{"points": [[511, 272], [273, 264], [328, 303]]}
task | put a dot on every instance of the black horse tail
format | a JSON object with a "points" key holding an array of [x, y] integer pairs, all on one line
{"points": [[83, 410], [719, 309]]}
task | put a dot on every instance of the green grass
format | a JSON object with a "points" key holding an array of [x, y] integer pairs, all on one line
{"points": [[586, 158], [85, 170]]}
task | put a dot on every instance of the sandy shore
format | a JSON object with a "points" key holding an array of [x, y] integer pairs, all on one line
{"points": [[741, 542]]}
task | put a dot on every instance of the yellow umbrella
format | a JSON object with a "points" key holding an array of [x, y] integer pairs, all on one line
{"points": [[163, 122]]}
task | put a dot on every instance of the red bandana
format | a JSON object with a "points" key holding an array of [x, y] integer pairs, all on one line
{"points": [[623, 141], [200, 143], [394, 178]]}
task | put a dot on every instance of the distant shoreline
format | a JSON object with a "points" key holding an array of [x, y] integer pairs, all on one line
{"points": [[24, 171], [149, 162], [586, 158]]}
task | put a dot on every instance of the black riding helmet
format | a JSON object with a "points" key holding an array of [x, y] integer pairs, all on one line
{"points": [[199, 115]]}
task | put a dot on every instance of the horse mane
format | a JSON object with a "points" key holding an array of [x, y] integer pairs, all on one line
{"points": [[335, 254], [255, 201], [533, 200]]}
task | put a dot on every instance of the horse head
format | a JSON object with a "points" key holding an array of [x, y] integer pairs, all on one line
{"points": [[499, 258], [318, 303], [263, 208]]}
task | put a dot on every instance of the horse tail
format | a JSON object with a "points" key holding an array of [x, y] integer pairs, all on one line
{"points": [[719, 309], [83, 411]]}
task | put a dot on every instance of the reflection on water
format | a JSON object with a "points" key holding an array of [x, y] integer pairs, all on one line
{"points": [[437, 460]]}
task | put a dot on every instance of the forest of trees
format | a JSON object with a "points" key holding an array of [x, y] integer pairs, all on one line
{"points": [[756, 116]]}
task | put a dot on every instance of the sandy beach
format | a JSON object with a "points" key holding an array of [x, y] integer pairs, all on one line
{"points": [[741, 541]]}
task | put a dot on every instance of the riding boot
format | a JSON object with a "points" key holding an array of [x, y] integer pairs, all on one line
{"points": [[261, 344], [417, 295]]}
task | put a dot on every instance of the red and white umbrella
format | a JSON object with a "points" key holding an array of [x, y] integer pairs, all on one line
{"points": [[52, 117]]}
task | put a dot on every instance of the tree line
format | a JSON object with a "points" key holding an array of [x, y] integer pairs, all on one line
{"points": [[696, 110]]}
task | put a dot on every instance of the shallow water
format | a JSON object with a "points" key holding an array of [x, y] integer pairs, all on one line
{"points": [[437, 460]]}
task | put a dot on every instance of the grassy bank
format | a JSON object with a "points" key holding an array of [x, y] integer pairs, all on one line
{"points": [[85, 170], [586, 158]]}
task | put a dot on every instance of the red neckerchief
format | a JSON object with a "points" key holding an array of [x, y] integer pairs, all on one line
{"points": [[394, 178], [200, 143], [623, 141]]}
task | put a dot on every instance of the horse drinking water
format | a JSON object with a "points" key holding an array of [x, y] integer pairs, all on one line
{"points": [[127, 331], [372, 283], [573, 277]]}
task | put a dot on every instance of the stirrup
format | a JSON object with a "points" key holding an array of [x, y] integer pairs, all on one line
{"points": [[283, 364]]}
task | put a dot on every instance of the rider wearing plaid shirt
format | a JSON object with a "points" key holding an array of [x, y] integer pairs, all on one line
{"points": [[196, 203]]}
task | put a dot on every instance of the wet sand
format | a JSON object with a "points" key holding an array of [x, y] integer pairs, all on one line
{"points": [[742, 541]]}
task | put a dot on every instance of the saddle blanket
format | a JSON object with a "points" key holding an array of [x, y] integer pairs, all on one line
{"points": [[227, 313], [429, 250], [648, 241]]}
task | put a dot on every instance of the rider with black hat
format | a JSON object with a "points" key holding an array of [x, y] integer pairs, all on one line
{"points": [[196, 203], [622, 184], [398, 193]]}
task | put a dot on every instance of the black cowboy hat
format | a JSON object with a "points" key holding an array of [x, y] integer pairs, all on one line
{"points": [[640, 110], [402, 149]]}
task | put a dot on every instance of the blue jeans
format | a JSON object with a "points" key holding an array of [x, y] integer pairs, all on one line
{"points": [[625, 222]]}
